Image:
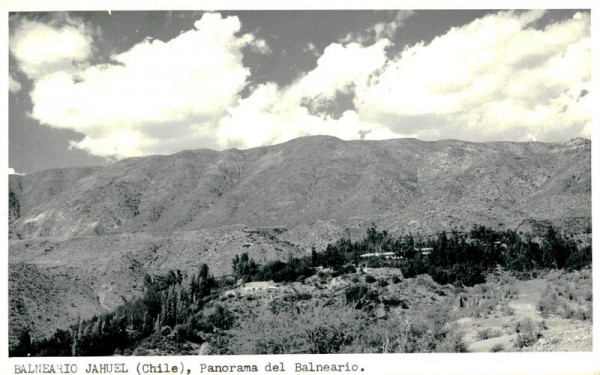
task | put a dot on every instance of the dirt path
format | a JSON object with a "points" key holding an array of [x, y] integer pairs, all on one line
{"points": [[560, 334], [530, 293], [524, 306]]}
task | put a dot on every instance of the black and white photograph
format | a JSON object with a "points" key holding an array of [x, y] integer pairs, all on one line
{"points": [[260, 181]]}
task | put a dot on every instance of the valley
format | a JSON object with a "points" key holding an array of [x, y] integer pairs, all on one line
{"points": [[87, 237]]}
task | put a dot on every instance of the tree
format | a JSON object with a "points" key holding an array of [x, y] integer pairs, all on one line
{"points": [[23, 347]]}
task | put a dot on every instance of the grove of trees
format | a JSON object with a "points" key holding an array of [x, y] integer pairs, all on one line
{"points": [[177, 304]]}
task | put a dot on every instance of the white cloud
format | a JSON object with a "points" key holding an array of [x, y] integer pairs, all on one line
{"points": [[339, 68], [41, 49], [261, 46], [159, 97], [495, 78], [264, 119], [273, 114], [380, 30], [12, 171], [13, 84], [310, 47]]}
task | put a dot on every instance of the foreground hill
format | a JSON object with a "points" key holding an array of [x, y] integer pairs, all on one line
{"points": [[403, 183], [82, 239]]}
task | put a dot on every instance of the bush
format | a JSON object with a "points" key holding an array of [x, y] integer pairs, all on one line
{"points": [[488, 333], [311, 330], [451, 341], [369, 279], [579, 259], [497, 348], [528, 333], [506, 310], [395, 302], [548, 304], [525, 339], [179, 333], [356, 293], [216, 317], [577, 314]]}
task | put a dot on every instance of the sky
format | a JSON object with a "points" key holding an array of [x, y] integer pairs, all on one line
{"points": [[91, 88]]}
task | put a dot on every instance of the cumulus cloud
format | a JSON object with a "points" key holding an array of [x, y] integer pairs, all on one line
{"points": [[380, 30], [42, 48], [157, 97], [495, 78], [273, 114], [13, 84]]}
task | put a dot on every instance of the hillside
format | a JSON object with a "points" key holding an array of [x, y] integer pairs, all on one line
{"points": [[30, 191], [404, 183], [90, 234]]}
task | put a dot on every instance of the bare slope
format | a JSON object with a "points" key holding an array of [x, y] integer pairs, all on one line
{"points": [[403, 182], [30, 191]]}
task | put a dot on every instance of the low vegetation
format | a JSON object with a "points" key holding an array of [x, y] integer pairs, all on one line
{"points": [[568, 296], [332, 305]]}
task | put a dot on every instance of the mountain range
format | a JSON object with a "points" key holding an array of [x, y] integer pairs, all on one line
{"points": [[81, 239]]}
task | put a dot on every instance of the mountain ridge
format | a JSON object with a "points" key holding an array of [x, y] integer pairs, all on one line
{"points": [[269, 185], [93, 233]]}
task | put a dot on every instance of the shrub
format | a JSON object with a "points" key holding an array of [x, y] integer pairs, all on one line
{"points": [[487, 333], [218, 317], [311, 330], [528, 333], [548, 304], [525, 339], [578, 314], [369, 279], [356, 292], [452, 341], [511, 292], [297, 297], [221, 317], [506, 310], [180, 333], [579, 259], [395, 302], [497, 348]]}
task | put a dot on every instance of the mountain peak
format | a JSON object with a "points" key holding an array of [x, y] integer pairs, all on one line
{"points": [[579, 141]]}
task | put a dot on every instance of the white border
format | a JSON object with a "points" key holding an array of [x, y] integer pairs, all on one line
{"points": [[472, 363]]}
